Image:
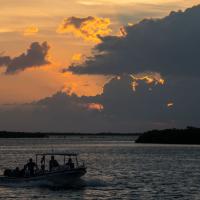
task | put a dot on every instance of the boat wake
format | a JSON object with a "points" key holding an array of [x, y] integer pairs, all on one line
{"points": [[79, 184], [27, 184], [95, 182]]}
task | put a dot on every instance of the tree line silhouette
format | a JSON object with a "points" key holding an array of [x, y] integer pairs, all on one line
{"points": [[190, 135]]}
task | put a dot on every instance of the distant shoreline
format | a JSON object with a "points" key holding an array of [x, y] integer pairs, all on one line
{"points": [[8, 134], [190, 135]]}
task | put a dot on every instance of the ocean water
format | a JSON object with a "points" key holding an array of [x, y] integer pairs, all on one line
{"points": [[117, 169]]}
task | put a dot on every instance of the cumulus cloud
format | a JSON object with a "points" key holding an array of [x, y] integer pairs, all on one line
{"points": [[89, 28], [35, 56], [169, 46]]}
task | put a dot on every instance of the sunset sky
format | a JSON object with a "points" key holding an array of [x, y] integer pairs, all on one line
{"points": [[89, 50]]}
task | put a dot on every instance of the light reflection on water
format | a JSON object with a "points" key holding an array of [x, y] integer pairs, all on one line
{"points": [[117, 169]]}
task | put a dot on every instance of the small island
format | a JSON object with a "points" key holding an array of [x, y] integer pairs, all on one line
{"points": [[190, 135]]}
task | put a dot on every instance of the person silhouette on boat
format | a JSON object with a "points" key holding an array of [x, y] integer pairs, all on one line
{"points": [[31, 167], [43, 164], [53, 163], [70, 163], [16, 172]]}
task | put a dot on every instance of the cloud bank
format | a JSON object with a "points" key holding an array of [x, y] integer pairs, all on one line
{"points": [[169, 46], [35, 56], [119, 108]]}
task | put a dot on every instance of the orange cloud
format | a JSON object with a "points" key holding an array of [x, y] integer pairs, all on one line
{"points": [[95, 106], [89, 28], [31, 30], [148, 77], [122, 32], [170, 104], [77, 57]]}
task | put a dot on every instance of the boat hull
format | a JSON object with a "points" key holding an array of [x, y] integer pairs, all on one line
{"points": [[61, 178]]}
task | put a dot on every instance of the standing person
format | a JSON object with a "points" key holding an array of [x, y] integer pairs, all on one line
{"points": [[43, 164], [53, 163], [31, 166], [70, 164]]}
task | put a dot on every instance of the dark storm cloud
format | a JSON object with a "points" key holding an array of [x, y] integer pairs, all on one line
{"points": [[170, 46], [125, 110], [4, 60], [35, 56], [149, 101], [58, 113]]}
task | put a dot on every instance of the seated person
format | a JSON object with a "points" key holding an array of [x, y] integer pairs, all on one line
{"points": [[7, 172], [17, 172], [22, 172], [43, 167], [30, 166], [53, 163]]}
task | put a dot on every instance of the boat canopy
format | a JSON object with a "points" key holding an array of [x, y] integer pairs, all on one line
{"points": [[63, 154], [57, 154]]}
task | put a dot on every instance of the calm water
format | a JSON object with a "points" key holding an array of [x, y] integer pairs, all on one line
{"points": [[117, 169]]}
